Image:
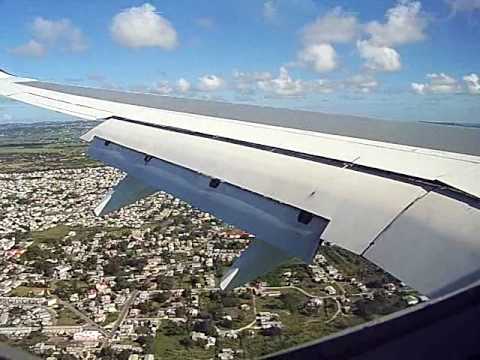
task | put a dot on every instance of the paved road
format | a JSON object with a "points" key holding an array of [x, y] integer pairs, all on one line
{"points": [[294, 288], [339, 310], [124, 311], [254, 305], [82, 316]]}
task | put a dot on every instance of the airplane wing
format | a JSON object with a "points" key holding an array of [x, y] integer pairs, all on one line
{"points": [[404, 195]]}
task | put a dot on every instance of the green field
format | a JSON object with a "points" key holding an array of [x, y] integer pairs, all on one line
{"points": [[169, 347]]}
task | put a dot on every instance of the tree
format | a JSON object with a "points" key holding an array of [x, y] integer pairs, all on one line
{"points": [[146, 342], [124, 355], [272, 331], [291, 301], [206, 327], [226, 323], [180, 312], [247, 295], [112, 268], [230, 301], [160, 297], [107, 354], [187, 293], [186, 341], [165, 282], [172, 329]]}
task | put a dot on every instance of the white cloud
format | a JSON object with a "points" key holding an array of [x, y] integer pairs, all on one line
{"points": [[381, 58], [162, 87], [283, 85], [205, 22], [464, 5], [183, 86], [48, 34], [364, 83], [473, 83], [32, 49], [320, 57], [53, 32], [418, 88], [142, 26], [246, 82], [210, 83], [336, 26], [270, 11], [320, 86], [437, 84], [405, 24]]}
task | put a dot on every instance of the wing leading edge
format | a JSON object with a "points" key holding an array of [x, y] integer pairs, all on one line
{"points": [[413, 210]]}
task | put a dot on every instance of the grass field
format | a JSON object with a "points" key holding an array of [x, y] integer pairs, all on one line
{"points": [[66, 318], [49, 235], [26, 291], [22, 158], [169, 347]]}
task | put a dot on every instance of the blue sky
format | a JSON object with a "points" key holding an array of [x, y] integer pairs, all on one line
{"points": [[399, 59]]}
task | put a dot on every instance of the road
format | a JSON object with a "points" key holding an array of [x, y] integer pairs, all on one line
{"points": [[82, 316], [254, 306], [339, 310], [124, 311]]}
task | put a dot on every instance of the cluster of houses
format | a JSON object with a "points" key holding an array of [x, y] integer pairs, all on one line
{"points": [[110, 276]]}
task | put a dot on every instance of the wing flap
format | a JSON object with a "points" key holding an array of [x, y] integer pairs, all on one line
{"points": [[258, 259], [292, 232], [326, 191], [126, 192]]}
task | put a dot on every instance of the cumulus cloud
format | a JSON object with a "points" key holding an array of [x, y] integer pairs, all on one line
{"points": [[210, 83], [246, 82], [405, 24], [473, 83], [364, 83], [183, 85], [48, 34], [464, 5], [142, 26], [32, 49], [205, 22], [336, 26], [63, 31], [270, 11], [162, 87], [381, 58], [418, 88], [320, 57], [283, 85], [437, 84], [376, 41]]}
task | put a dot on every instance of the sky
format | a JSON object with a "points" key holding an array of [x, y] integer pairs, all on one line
{"points": [[397, 59]]}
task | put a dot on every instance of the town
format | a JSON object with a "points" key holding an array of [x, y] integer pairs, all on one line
{"points": [[142, 283]]}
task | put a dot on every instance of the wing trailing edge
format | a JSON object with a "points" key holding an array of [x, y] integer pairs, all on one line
{"points": [[283, 232], [126, 192]]}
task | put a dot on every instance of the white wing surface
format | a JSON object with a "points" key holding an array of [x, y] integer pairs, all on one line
{"points": [[404, 195]]}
